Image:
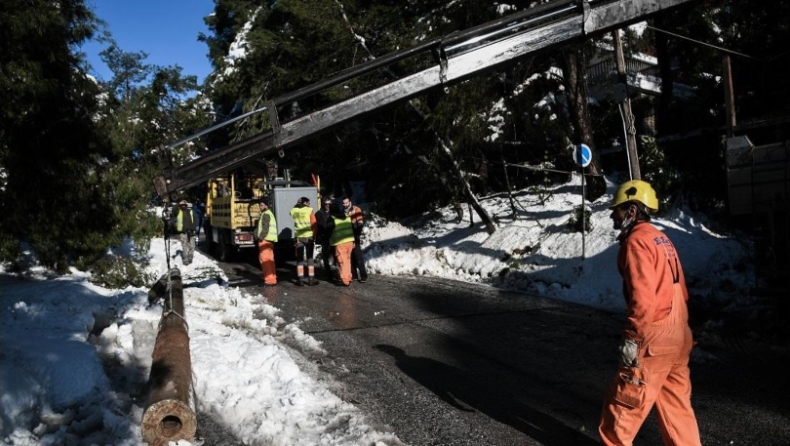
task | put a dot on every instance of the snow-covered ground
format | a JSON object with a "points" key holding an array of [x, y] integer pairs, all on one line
{"points": [[63, 385]]}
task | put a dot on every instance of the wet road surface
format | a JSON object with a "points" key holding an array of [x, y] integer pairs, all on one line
{"points": [[441, 362]]}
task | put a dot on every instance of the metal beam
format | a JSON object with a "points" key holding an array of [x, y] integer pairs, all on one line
{"points": [[460, 66]]}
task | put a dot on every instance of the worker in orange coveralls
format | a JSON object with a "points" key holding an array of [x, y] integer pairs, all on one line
{"points": [[657, 340], [358, 270], [266, 235], [341, 237]]}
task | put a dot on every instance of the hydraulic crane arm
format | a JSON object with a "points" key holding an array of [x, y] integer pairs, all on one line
{"points": [[460, 56]]}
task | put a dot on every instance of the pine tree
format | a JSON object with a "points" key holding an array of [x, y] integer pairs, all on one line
{"points": [[49, 152]]}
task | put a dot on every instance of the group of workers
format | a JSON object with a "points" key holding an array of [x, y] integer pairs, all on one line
{"points": [[656, 339], [337, 229]]}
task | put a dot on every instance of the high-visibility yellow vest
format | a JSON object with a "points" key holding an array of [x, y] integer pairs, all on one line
{"points": [[180, 220], [343, 232], [301, 216], [272, 234]]}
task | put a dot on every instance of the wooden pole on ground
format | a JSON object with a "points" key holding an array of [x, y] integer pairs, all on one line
{"points": [[168, 416]]}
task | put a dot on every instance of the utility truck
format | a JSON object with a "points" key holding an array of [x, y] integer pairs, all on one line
{"points": [[232, 211]]}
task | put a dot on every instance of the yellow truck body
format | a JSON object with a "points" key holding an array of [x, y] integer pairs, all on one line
{"points": [[232, 211]]}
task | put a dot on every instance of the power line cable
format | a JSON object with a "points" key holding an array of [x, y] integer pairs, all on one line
{"points": [[705, 44]]}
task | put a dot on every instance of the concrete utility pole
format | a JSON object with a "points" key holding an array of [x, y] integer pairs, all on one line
{"points": [[628, 117], [169, 417]]}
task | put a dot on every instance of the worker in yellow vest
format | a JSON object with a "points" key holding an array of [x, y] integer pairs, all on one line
{"points": [[305, 229], [266, 235], [183, 224], [342, 240]]}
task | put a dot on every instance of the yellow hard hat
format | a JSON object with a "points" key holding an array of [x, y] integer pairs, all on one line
{"points": [[636, 190]]}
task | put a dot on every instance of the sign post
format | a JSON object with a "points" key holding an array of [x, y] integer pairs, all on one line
{"points": [[582, 155]]}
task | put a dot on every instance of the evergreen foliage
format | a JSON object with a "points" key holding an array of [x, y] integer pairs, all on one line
{"points": [[77, 156], [50, 150]]}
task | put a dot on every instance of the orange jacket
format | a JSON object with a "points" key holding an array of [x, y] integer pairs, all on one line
{"points": [[650, 266], [355, 214]]}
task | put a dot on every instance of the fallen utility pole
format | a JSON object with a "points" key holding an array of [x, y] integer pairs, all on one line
{"points": [[168, 415]]}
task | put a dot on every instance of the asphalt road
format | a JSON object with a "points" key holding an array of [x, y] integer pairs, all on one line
{"points": [[441, 362]]}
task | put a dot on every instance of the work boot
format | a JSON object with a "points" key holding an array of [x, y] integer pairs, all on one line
{"points": [[312, 281], [363, 279], [299, 282]]}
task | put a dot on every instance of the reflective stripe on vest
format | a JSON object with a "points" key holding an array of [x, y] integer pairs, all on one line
{"points": [[272, 234], [343, 232], [301, 218]]}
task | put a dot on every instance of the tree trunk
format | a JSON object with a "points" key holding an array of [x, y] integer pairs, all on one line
{"points": [[490, 226], [467, 190], [507, 183], [576, 92]]}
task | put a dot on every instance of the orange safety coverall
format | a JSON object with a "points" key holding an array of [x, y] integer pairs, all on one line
{"points": [[266, 234], [266, 259], [343, 257], [655, 290]]}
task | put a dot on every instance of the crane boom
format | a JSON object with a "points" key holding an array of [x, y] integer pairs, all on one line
{"points": [[460, 56]]}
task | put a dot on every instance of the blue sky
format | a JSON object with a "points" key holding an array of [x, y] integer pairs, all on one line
{"points": [[165, 29]]}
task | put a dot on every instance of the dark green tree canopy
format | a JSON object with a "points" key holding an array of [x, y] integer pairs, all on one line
{"points": [[77, 155], [93, 146]]}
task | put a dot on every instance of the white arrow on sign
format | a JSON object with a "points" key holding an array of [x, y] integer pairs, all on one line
{"points": [[582, 155]]}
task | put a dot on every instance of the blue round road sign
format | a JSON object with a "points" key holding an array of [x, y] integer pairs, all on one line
{"points": [[582, 155]]}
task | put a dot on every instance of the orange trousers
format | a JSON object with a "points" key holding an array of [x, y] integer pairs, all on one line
{"points": [[665, 383], [266, 259], [343, 257]]}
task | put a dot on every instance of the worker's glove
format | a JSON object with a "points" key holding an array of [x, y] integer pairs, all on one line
{"points": [[629, 352]]}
